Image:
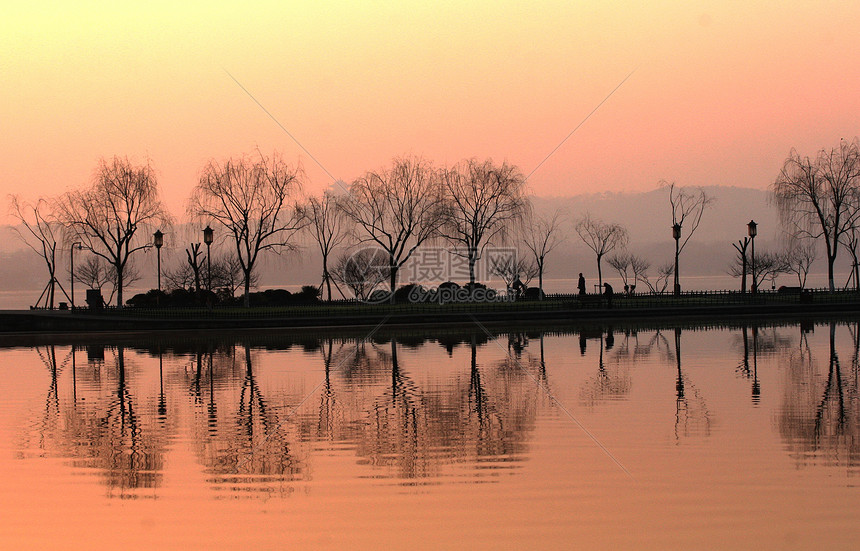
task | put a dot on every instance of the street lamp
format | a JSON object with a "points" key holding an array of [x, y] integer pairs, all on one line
{"points": [[753, 230], [72, 270], [676, 233], [158, 241], [208, 237]]}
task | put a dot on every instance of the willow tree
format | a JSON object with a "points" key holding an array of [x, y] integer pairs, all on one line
{"points": [[328, 227], [819, 198], [255, 200], [601, 237], [397, 208], [114, 216], [484, 201]]}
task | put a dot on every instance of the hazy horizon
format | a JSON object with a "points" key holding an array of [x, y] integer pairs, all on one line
{"points": [[646, 215]]}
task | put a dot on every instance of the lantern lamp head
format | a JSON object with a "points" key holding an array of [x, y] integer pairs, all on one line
{"points": [[753, 229]]}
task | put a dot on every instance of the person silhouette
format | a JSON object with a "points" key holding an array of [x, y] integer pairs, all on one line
{"points": [[581, 285], [608, 293]]}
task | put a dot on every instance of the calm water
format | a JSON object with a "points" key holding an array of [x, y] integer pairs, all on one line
{"points": [[740, 436]]}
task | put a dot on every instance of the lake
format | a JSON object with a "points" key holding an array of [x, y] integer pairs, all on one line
{"points": [[648, 436]]}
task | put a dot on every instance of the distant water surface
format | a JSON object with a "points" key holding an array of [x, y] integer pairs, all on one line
{"points": [[737, 436]]}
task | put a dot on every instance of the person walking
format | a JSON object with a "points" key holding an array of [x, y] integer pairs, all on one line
{"points": [[581, 285]]}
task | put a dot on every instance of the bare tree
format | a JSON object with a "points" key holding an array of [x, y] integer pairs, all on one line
{"points": [[328, 227], [362, 271], [514, 266], [42, 233], [664, 272], [640, 266], [227, 274], [96, 273], [398, 208], [180, 277], [187, 274], [688, 205], [621, 263], [629, 265], [254, 200], [799, 259], [540, 236], [601, 237], [106, 217], [742, 259], [192, 255], [819, 198], [484, 201], [768, 265], [851, 240]]}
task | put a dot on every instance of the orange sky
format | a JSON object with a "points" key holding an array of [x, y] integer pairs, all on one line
{"points": [[719, 95]]}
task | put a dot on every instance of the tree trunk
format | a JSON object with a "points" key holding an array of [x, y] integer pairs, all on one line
{"points": [[119, 278], [327, 276], [831, 259], [472, 254], [247, 299], [540, 280], [393, 279], [599, 273]]}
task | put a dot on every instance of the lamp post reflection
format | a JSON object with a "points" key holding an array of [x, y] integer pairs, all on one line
{"points": [[756, 389], [691, 411]]}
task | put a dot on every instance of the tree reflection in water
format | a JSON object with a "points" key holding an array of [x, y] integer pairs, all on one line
{"points": [[412, 432], [102, 425], [383, 402], [245, 444], [820, 416], [612, 380]]}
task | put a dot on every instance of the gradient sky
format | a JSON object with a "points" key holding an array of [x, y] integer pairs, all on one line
{"points": [[720, 93]]}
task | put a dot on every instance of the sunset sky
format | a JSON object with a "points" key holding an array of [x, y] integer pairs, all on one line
{"points": [[719, 92]]}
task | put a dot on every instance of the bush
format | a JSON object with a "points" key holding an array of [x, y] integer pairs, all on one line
{"points": [[449, 285], [533, 293], [407, 292], [176, 298], [309, 294]]}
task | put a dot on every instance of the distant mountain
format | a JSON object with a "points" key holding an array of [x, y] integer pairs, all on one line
{"points": [[648, 215]]}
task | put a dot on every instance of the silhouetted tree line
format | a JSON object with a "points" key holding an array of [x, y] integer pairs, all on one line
{"points": [[371, 228]]}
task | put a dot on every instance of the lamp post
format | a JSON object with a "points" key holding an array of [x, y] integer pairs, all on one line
{"points": [[158, 241], [753, 230], [676, 233], [208, 236], [72, 271]]}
